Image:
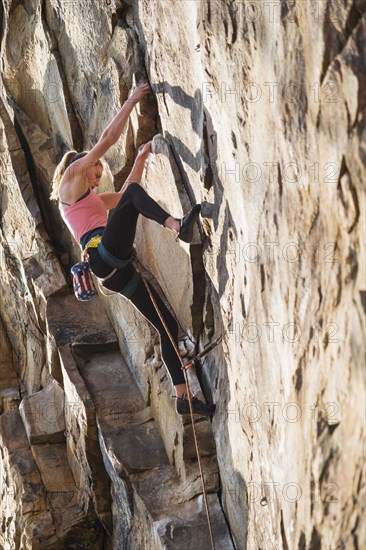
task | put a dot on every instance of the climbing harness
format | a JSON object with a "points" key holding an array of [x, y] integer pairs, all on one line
{"points": [[112, 261], [184, 368]]}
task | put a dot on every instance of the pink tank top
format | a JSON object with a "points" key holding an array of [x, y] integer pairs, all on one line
{"points": [[85, 215]]}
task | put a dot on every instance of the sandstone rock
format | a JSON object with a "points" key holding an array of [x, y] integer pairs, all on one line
{"points": [[192, 530], [23, 497], [263, 108], [43, 415], [84, 323], [83, 451], [132, 447], [52, 462]]}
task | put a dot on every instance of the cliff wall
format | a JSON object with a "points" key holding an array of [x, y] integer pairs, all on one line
{"points": [[263, 109]]}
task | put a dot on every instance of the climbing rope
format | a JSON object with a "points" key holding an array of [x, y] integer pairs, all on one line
{"points": [[185, 368]]}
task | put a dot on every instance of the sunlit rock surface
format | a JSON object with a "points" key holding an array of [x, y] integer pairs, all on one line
{"points": [[263, 109]]}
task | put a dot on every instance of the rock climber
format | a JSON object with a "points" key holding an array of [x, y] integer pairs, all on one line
{"points": [[86, 215]]}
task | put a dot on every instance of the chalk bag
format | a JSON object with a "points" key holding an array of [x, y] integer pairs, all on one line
{"points": [[82, 281]]}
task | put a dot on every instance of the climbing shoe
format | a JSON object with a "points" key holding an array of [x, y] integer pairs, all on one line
{"points": [[198, 407], [187, 223]]}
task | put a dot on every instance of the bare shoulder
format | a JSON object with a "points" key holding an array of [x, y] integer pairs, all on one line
{"points": [[72, 186]]}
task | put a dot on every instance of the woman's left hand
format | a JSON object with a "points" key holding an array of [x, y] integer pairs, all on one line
{"points": [[144, 150]]}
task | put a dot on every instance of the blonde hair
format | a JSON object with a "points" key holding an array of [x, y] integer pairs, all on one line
{"points": [[59, 172]]}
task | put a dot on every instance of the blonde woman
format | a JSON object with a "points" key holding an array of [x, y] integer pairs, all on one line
{"points": [[86, 215]]}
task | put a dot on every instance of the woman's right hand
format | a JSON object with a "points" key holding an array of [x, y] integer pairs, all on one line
{"points": [[139, 92]]}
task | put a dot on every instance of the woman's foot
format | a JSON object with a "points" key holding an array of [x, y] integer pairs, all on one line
{"points": [[172, 224], [186, 224], [198, 407], [183, 228]]}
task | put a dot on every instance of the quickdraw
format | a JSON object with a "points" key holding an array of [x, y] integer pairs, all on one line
{"points": [[193, 362]]}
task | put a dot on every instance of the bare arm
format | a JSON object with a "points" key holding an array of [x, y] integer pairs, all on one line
{"points": [[139, 165], [114, 130], [112, 199]]}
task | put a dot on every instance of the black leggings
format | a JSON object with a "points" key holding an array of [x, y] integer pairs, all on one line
{"points": [[118, 238]]}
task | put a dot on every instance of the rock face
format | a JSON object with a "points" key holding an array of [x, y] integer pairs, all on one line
{"points": [[263, 109]]}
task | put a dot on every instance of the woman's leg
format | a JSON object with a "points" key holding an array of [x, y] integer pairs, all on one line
{"points": [[136, 174], [142, 301], [118, 237], [119, 234]]}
